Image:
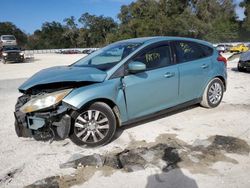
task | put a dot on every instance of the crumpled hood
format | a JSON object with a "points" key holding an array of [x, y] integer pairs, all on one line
{"points": [[61, 74]]}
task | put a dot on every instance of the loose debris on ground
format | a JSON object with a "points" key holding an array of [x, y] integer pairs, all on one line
{"points": [[166, 153], [7, 177]]}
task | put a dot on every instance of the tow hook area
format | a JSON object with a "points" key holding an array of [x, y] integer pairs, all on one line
{"points": [[49, 128], [63, 126]]}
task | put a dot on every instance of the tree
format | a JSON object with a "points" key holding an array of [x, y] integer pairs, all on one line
{"points": [[71, 32], [8, 28], [96, 28], [217, 20], [244, 27], [212, 20], [51, 35]]}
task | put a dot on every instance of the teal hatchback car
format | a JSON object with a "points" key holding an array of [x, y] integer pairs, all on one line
{"points": [[119, 84]]}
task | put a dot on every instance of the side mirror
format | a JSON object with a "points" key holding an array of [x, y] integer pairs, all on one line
{"points": [[136, 66]]}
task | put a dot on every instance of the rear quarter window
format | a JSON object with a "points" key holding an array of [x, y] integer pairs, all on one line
{"points": [[207, 51]]}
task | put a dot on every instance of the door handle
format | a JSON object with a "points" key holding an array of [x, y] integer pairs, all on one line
{"points": [[169, 74], [204, 66]]}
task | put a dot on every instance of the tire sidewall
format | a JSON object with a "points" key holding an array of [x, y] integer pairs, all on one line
{"points": [[105, 109], [216, 80]]}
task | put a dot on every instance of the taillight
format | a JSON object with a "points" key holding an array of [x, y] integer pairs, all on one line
{"points": [[222, 59]]}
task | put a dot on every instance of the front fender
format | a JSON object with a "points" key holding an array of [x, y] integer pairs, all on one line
{"points": [[109, 89]]}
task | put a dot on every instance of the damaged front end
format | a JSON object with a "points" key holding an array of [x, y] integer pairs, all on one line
{"points": [[45, 124], [40, 112]]}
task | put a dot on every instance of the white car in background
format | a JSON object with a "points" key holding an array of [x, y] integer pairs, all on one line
{"points": [[7, 40], [223, 47]]}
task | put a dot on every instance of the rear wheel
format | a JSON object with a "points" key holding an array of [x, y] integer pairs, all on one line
{"points": [[94, 126], [213, 94]]}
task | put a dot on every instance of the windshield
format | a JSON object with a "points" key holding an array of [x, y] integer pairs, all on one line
{"points": [[106, 58], [8, 38]]}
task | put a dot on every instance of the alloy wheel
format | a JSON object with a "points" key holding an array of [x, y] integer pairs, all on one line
{"points": [[91, 126], [215, 93]]}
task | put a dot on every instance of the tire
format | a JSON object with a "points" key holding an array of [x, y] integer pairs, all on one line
{"points": [[103, 125], [4, 62], [240, 69], [210, 99]]}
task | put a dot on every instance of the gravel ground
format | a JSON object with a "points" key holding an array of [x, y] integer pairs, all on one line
{"points": [[204, 159]]}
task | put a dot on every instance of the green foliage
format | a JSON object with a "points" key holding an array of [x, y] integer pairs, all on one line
{"points": [[244, 29], [211, 20], [51, 35], [97, 28], [71, 32]]}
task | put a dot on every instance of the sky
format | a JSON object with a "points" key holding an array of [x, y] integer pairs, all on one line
{"points": [[29, 15]]}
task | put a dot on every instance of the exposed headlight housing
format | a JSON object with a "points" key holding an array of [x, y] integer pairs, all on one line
{"points": [[21, 53], [44, 101], [4, 54]]}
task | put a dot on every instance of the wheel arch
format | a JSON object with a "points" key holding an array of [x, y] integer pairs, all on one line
{"points": [[223, 81], [213, 77], [110, 103]]}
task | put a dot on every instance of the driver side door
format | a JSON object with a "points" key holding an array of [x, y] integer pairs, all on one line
{"points": [[154, 89]]}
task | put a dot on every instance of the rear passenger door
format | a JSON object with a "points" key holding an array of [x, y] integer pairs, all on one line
{"points": [[194, 61]]}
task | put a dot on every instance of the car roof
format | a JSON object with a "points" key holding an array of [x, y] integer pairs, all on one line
{"points": [[147, 40]]}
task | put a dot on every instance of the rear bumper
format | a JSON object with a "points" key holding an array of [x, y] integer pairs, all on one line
{"points": [[57, 119]]}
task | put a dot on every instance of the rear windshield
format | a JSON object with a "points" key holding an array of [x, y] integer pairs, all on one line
{"points": [[8, 38]]}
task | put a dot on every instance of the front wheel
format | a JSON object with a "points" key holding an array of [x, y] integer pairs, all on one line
{"points": [[213, 94], [94, 126]]}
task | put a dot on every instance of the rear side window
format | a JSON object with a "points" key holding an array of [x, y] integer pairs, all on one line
{"points": [[155, 58], [189, 51], [208, 51]]}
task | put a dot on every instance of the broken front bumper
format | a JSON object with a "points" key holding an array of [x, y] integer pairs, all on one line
{"points": [[56, 119]]}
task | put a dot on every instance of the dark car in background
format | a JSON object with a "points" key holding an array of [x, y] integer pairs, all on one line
{"points": [[244, 62], [88, 51], [70, 51], [11, 54]]}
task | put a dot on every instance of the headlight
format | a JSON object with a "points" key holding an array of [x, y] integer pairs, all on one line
{"points": [[4, 54], [44, 101], [21, 53]]}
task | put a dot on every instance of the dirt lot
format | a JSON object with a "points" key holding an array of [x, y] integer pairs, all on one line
{"points": [[194, 147]]}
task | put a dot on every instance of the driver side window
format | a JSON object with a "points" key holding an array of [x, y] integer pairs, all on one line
{"points": [[155, 58]]}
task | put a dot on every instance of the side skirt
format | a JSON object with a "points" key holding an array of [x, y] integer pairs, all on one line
{"points": [[162, 112]]}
